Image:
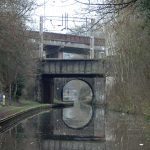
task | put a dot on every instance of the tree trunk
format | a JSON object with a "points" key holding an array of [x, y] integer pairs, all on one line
{"points": [[9, 95], [15, 92]]}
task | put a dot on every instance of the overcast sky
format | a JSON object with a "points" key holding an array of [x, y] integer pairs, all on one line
{"points": [[55, 8], [50, 8]]}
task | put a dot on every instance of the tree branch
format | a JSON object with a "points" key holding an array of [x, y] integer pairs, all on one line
{"points": [[107, 4]]}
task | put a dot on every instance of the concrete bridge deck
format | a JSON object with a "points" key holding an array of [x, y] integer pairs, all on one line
{"points": [[67, 42], [66, 38], [73, 67]]}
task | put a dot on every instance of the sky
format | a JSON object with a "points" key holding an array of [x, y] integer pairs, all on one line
{"points": [[60, 8], [57, 7], [57, 15]]}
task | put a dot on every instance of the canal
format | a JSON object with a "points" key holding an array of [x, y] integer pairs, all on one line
{"points": [[81, 127]]}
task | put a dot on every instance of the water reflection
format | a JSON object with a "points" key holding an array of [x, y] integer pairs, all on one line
{"points": [[78, 116], [126, 132], [47, 131]]}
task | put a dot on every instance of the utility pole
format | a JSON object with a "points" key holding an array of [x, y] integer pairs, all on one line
{"points": [[92, 41], [91, 47], [41, 38]]}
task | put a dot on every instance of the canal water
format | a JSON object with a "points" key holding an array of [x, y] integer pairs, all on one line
{"points": [[82, 127]]}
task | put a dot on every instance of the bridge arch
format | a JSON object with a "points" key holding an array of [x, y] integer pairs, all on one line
{"points": [[88, 82], [69, 114]]}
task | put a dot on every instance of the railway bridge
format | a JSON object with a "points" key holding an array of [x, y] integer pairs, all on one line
{"points": [[66, 57]]}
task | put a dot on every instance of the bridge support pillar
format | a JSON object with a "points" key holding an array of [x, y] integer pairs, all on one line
{"points": [[47, 93], [99, 90]]}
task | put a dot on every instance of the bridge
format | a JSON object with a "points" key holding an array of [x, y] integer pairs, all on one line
{"points": [[54, 66], [72, 67], [57, 39], [54, 42]]}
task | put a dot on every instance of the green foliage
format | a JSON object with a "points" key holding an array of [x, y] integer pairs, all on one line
{"points": [[145, 7], [18, 86]]}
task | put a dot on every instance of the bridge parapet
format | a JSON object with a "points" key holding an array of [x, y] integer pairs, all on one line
{"points": [[47, 36], [73, 67]]}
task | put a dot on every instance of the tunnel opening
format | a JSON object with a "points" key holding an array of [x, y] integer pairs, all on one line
{"points": [[77, 90]]}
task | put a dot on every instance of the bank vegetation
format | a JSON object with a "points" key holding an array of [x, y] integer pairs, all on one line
{"points": [[128, 42], [126, 24], [16, 55]]}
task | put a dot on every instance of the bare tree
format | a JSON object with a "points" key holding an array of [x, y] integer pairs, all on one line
{"points": [[105, 11], [128, 37], [127, 23], [15, 47]]}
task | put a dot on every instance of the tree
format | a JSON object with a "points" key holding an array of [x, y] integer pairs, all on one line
{"points": [[129, 38], [145, 7], [15, 47], [107, 10], [127, 26]]}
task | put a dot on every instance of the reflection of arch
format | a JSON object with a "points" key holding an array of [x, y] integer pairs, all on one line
{"points": [[85, 80], [83, 126]]}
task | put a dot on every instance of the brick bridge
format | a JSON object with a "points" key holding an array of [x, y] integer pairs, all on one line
{"points": [[54, 65]]}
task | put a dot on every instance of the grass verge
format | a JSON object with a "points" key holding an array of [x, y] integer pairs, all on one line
{"points": [[18, 108]]}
